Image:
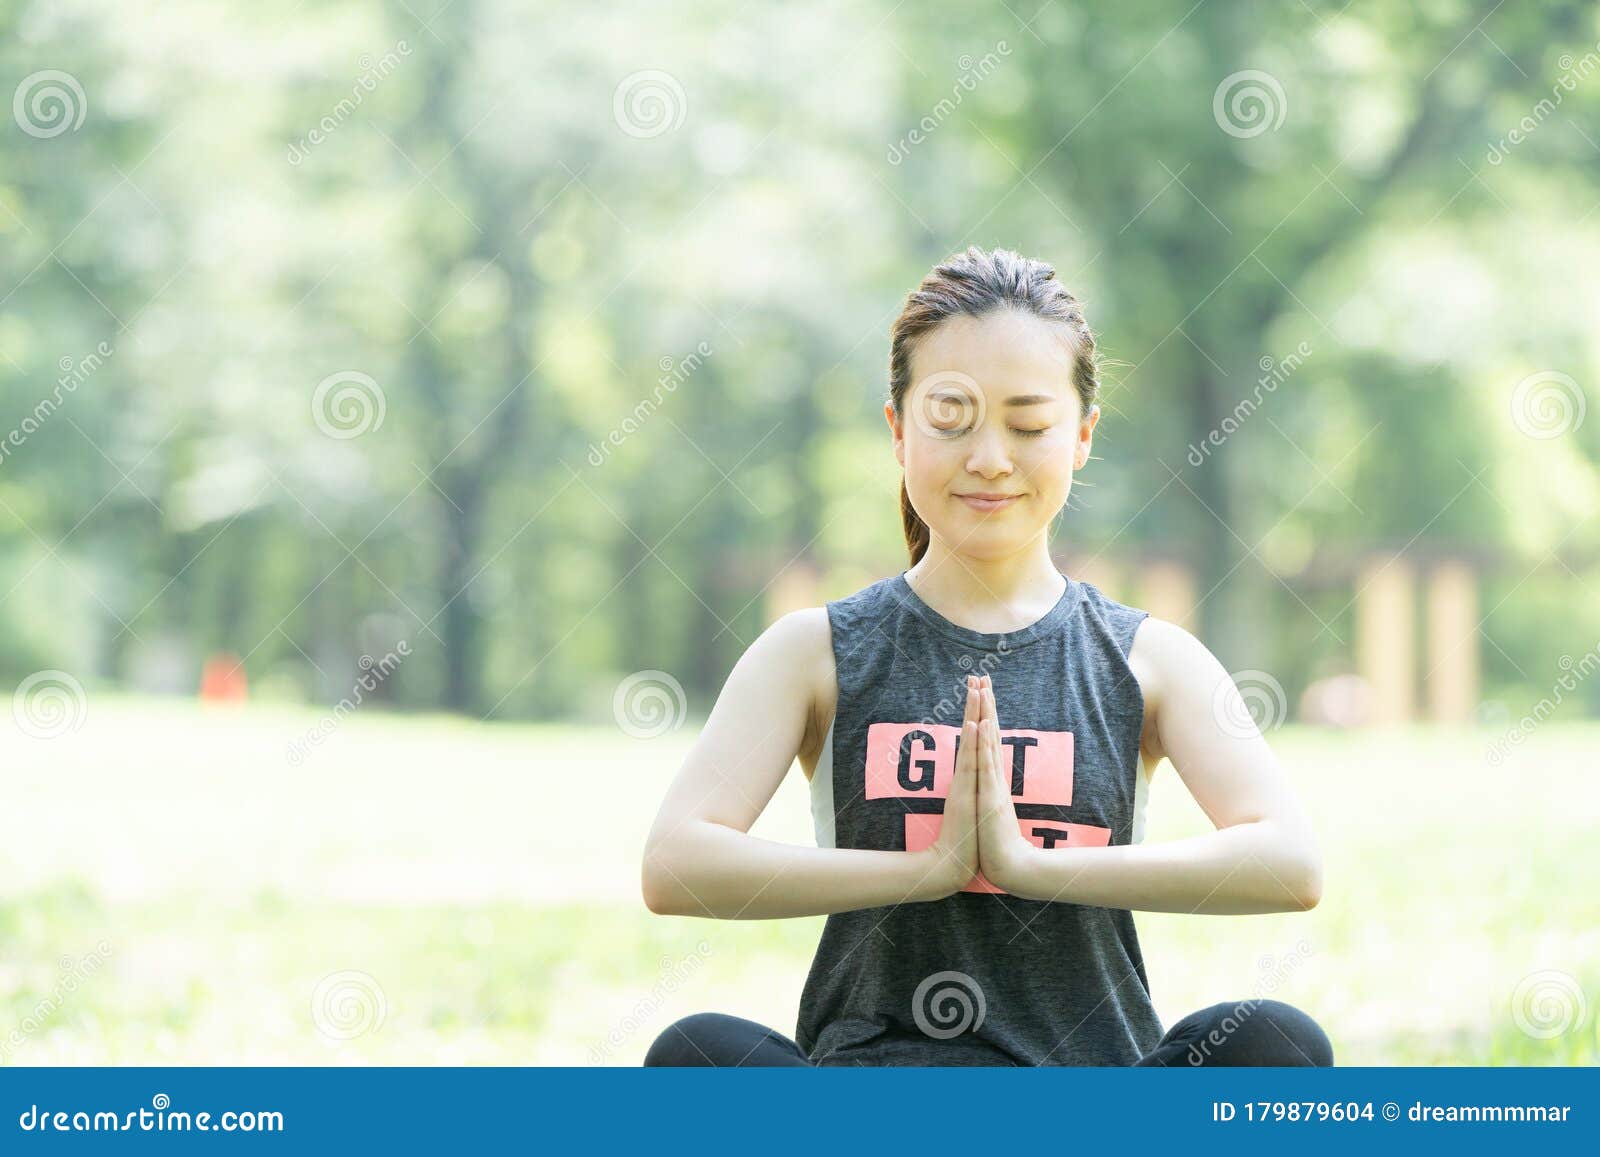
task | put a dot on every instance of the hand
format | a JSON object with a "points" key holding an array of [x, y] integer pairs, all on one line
{"points": [[955, 849], [1001, 844]]}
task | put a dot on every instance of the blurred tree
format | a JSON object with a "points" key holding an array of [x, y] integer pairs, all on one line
{"points": [[502, 234]]}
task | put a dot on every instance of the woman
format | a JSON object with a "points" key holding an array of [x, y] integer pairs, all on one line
{"points": [[976, 731]]}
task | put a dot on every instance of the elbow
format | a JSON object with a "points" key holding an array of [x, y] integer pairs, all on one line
{"points": [[673, 878], [1307, 889], [650, 891], [658, 901], [1296, 868], [662, 888], [653, 888]]}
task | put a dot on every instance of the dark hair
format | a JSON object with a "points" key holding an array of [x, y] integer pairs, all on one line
{"points": [[977, 283]]}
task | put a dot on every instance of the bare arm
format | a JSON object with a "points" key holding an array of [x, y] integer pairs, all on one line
{"points": [[700, 860], [1263, 856]]}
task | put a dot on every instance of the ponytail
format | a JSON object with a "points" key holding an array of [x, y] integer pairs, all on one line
{"points": [[916, 529]]}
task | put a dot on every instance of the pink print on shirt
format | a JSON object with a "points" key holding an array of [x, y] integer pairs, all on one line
{"points": [[918, 761]]}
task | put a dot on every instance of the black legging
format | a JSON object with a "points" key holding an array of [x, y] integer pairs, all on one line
{"points": [[1260, 1033]]}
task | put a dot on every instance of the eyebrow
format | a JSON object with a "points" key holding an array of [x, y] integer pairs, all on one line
{"points": [[1022, 399]]}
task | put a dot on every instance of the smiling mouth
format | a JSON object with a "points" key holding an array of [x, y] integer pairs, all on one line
{"points": [[987, 502]]}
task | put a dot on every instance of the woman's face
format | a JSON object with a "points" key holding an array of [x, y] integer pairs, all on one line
{"points": [[990, 431]]}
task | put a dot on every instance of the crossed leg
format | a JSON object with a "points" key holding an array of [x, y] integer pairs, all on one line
{"points": [[1261, 1033]]}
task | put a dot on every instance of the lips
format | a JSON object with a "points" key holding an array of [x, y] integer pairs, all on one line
{"points": [[986, 502]]}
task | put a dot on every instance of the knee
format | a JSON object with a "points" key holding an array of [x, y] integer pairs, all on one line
{"points": [[1258, 1033], [676, 1045]]}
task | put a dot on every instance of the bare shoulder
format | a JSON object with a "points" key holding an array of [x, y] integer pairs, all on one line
{"points": [[1162, 651]]}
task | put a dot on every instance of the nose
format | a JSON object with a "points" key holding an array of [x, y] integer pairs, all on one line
{"points": [[988, 457]]}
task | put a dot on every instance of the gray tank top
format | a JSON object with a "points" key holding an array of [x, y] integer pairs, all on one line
{"points": [[980, 977]]}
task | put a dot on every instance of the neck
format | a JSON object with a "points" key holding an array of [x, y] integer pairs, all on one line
{"points": [[1027, 578]]}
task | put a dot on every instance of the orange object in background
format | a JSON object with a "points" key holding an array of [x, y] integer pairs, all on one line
{"points": [[222, 679]]}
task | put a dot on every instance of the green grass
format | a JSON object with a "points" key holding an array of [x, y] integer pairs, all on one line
{"points": [[478, 885]]}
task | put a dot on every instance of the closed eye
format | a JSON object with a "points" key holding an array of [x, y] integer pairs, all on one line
{"points": [[956, 433]]}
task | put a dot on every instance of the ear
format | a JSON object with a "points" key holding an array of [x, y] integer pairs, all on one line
{"points": [[899, 437], [1080, 452]]}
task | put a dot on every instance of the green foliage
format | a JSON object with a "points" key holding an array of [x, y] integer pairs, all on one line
{"points": [[472, 214]]}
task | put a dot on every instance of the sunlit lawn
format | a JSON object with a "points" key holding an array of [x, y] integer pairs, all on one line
{"points": [[428, 891]]}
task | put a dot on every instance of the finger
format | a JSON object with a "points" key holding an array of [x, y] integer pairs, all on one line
{"points": [[963, 796], [985, 760], [991, 727], [992, 744], [974, 699], [966, 755], [988, 777]]}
